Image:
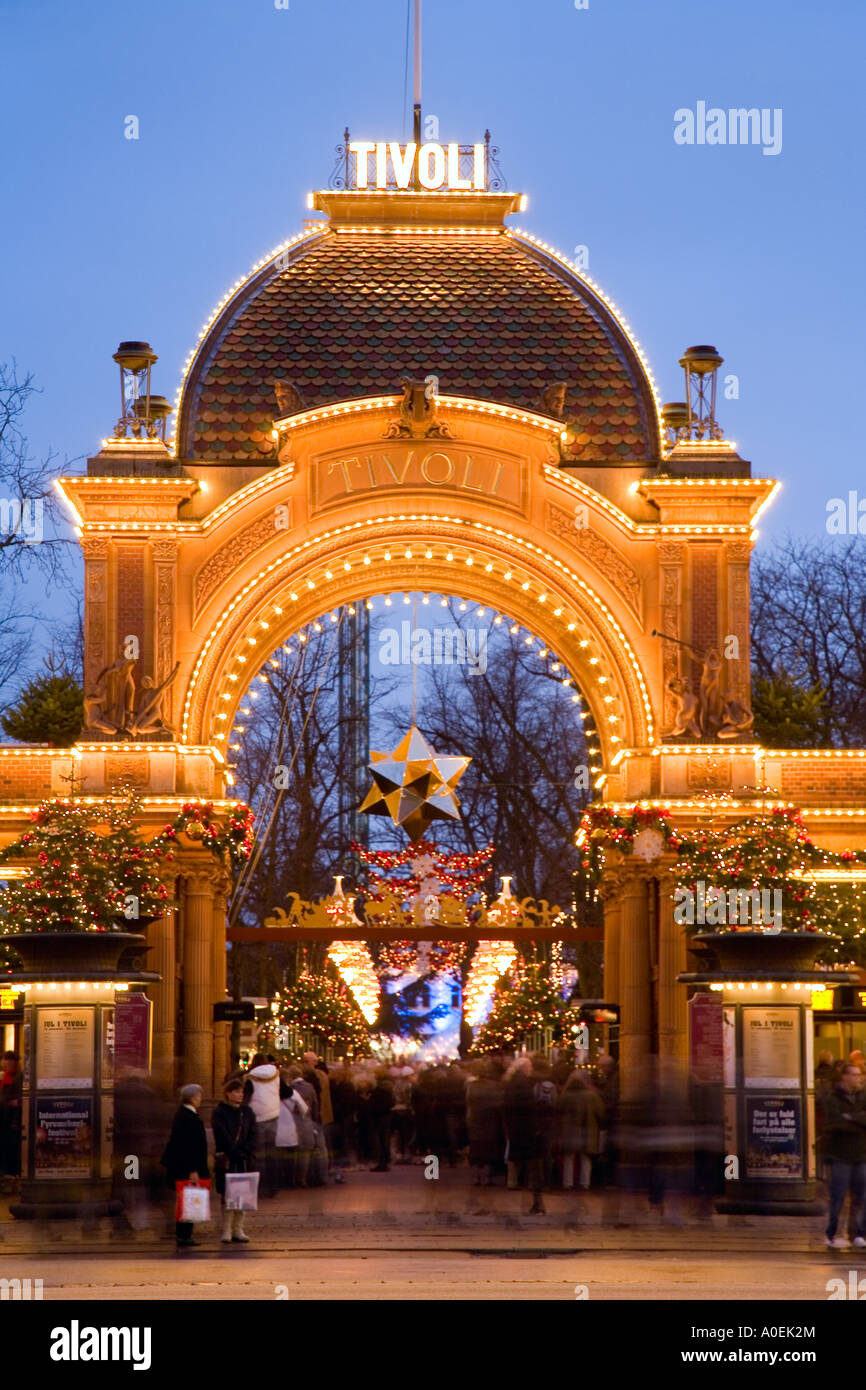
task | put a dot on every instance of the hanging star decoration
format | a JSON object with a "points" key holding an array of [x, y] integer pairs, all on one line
{"points": [[413, 785]]}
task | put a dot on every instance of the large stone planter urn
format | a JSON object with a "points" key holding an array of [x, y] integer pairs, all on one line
{"points": [[764, 952]]}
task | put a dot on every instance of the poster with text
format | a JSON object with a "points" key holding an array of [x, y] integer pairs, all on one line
{"points": [[706, 1043], [771, 1048], [64, 1049], [63, 1141], [774, 1137], [132, 1034]]}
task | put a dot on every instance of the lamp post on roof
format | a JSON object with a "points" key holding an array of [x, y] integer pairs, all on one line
{"points": [[701, 365], [135, 360], [675, 419]]}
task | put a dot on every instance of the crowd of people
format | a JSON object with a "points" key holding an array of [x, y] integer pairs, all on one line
{"points": [[529, 1122]]}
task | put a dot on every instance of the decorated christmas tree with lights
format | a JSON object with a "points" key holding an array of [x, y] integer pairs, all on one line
{"points": [[526, 1000], [80, 879], [316, 1004]]}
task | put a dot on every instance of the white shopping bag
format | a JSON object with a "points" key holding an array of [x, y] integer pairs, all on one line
{"points": [[195, 1204], [242, 1191]]}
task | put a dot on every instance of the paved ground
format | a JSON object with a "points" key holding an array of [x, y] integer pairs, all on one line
{"points": [[399, 1236], [425, 1274]]}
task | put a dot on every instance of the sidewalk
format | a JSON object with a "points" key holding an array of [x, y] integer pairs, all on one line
{"points": [[404, 1210]]}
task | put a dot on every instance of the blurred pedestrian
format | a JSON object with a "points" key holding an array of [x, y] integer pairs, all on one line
{"points": [[485, 1122], [292, 1108], [304, 1123], [185, 1155], [519, 1110], [402, 1118], [139, 1125], [10, 1118], [381, 1105], [580, 1111], [262, 1094], [234, 1132], [540, 1164], [844, 1149]]}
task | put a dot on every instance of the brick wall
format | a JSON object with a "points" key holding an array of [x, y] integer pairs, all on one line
{"points": [[704, 602], [130, 602]]}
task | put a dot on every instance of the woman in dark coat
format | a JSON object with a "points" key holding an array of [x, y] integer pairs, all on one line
{"points": [[185, 1157], [234, 1134]]}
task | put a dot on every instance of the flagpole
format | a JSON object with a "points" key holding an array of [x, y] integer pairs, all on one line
{"points": [[417, 131]]}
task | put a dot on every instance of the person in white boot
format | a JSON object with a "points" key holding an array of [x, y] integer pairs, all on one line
{"points": [[235, 1138]]}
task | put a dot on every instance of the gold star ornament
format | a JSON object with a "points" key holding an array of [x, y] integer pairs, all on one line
{"points": [[413, 786]]}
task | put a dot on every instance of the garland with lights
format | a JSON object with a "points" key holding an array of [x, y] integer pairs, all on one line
{"points": [[81, 880], [444, 956], [318, 1005], [772, 849], [230, 839], [461, 874], [601, 827], [767, 849], [426, 869]]}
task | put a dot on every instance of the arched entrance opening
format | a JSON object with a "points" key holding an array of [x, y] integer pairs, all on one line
{"points": [[498, 696]]}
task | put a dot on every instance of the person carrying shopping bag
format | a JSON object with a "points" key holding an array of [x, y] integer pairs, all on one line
{"points": [[235, 1137], [185, 1156]]}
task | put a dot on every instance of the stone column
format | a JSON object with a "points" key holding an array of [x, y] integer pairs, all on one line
{"points": [[634, 982], [162, 958], [673, 1016], [221, 1031], [612, 930], [198, 908]]}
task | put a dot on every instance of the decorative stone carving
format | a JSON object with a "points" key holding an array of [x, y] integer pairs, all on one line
{"points": [[552, 400], [419, 411], [164, 552], [686, 716], [738, 558], [133, 772], [288, 398], [708, 774], [712, 713], [165, 566], [672, 557], [95, 605], [599, 552], [95, 548], [238, 548], [110, 707]]}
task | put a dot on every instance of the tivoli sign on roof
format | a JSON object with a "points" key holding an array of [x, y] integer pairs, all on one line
{"points": [[387, 164]]}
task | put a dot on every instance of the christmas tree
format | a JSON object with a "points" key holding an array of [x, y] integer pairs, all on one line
{"points": [[79, 879], [316, 1004], [524, 1001]]}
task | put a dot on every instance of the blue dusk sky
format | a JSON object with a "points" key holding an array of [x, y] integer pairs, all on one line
{"points": [[241, 103]]}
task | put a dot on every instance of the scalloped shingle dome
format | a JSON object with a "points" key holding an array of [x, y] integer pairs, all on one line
{"points": [[491, 315]]}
